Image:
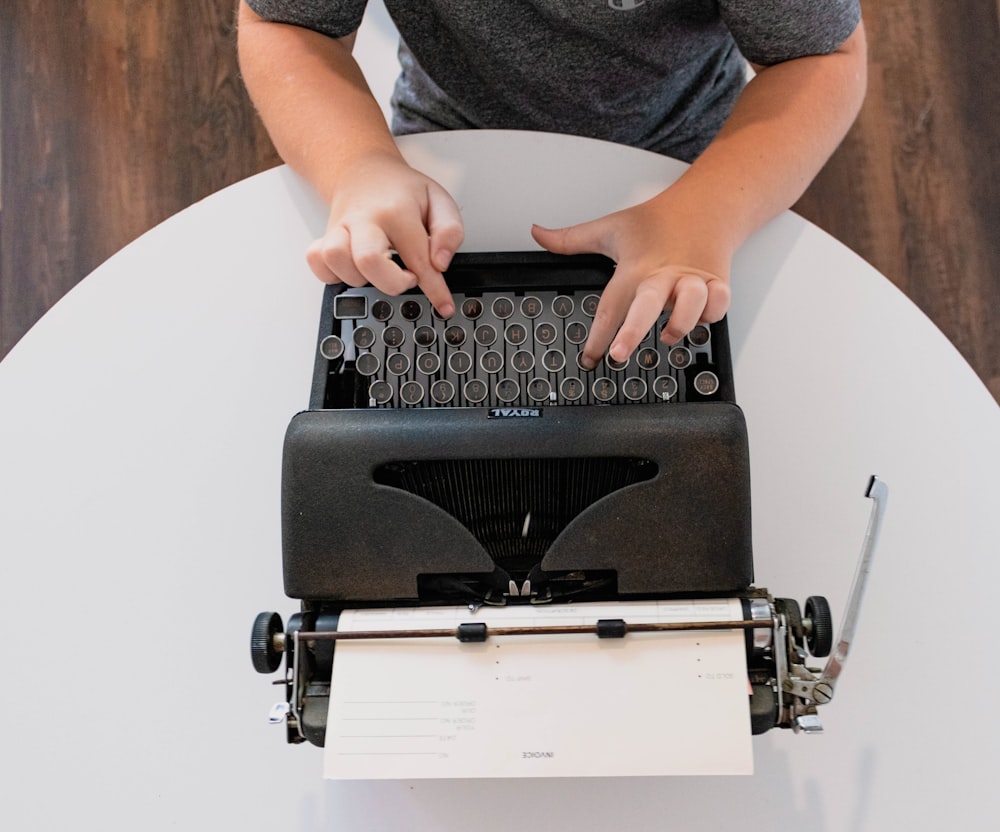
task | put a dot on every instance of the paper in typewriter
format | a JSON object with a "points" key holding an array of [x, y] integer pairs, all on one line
{"points": [[663, 703]]}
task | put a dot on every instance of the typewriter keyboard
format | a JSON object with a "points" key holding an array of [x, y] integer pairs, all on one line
{"points": [[501, 349]]}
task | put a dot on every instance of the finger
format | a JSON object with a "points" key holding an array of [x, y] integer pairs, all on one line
{"points": [[611, 311], [646, 307], [719, 296], [413, 245], [444, 226], [329, 258], [690, 295], [371, 252], [587, 237]]}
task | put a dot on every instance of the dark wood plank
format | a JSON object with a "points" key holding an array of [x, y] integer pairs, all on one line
{"points": [[915, 188], [116, 115]]}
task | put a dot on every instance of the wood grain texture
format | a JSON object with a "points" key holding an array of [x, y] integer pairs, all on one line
{"points": [[118, 113]]}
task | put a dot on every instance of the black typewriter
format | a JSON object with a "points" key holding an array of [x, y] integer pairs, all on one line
{"points": [[474, 461]]}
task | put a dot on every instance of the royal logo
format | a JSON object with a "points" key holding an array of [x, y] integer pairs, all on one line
{"points": [[625, 5], [514, 412]]}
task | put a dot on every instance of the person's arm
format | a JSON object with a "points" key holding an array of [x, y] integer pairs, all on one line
{"points": [[675, 250], [326, 124]]}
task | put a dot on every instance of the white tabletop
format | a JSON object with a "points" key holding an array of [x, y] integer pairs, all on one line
{"points": [[141, 424]]}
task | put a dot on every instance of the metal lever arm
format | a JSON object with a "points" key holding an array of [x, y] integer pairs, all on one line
{"points": [[879, 494]]}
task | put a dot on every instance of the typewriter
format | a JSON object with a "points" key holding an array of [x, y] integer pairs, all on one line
{"points": [[474, 461]]}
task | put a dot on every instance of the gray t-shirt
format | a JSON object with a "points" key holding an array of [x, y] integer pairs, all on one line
{"points": [[656, 74]]}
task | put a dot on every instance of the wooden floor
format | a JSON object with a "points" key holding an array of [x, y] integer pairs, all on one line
{"points": [[115, 115]]}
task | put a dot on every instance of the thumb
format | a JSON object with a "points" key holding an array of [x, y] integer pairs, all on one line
{"points": [[586, 238]]}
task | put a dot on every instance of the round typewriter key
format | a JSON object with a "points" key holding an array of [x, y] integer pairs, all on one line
{"points": [[382, 310], [503, 308], [475, 390], [545, 333], [531, 307], [563, 306], [617, 366], [604, 389], [398, 364], [331, 347], [679, 358], [472, 308], [706, 383], [412, 392], [522, 361], [579, 363], [571, 389], [454, 336], [507, 390], [442, 391], [392, 336], [554, 360], [576, 332], [460, 362], [589, 305], [380, 392], [428, 363], [367, 364], [539, 389], [425, 336], [699, 336], [634, 389], [515, 335], [665, 387], [647, 359], [410, 309], [491, 361], [485, 335], [364, 337]]}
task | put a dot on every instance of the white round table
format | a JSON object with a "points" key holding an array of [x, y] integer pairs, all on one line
{"points": [[142, 423]]}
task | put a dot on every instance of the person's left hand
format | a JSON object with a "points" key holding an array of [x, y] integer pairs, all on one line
{"points": [[663, 263]]}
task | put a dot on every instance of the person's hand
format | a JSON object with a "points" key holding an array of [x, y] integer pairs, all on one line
{"points": [[661, 265], [383, 205]]}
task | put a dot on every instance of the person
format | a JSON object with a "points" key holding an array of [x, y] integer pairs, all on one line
{"points": [[667, 75]]}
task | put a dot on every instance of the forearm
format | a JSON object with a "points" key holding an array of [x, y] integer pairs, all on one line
{"points": [[787, 123], [313, 99]]}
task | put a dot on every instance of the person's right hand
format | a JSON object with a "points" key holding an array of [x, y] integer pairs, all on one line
{"points": [[383, 205]]}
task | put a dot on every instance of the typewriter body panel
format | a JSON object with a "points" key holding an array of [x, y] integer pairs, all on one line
{"points": [[512, 463]]}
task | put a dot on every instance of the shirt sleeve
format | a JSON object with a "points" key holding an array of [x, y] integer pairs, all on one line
{"points": [[772, 31], [336, 18]]}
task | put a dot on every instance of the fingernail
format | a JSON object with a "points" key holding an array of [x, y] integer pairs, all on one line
{"points": [[618, 352], [442, 259]]}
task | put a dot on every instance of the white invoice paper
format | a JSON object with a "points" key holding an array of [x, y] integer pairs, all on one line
{"points": [[661, 703]]}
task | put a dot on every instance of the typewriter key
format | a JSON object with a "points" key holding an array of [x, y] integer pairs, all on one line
{"points": [[410, 310], [531, 307], [424, 336], [364, 337], [699, 336], [706, 383], [522, 361], [554, 360], [515, 335], [412, 392], [576, 332], [563, 306], [634, 389], [503, 308], [331, 347], [571, 388], [367, 364], [442, 391], [539, 389], [507, 390], [679, 358], [589, 305], [380, 392], [382, 310], [475, 390], [428, 363], [616, 366], [392, 336], [604, 389], [472, 308], [398, 364], [491, 361], [460, 362], [485, 335], [648, 359], [665, 387], [454, 336]]}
